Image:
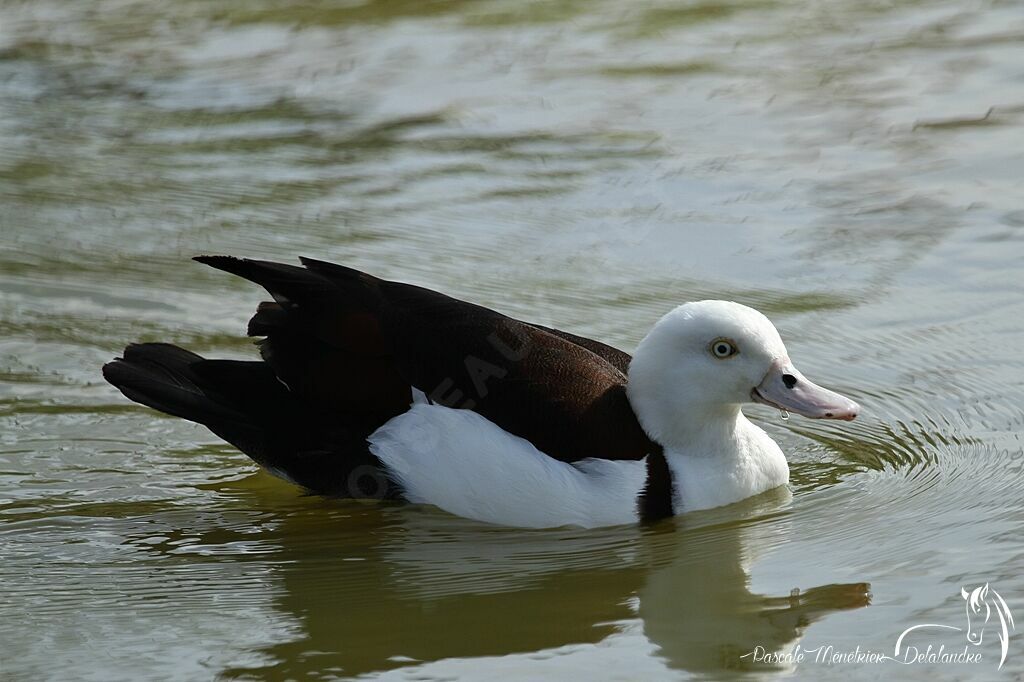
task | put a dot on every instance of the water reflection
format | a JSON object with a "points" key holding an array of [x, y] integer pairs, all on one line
{"points": [[699, 609], [389, 587]]}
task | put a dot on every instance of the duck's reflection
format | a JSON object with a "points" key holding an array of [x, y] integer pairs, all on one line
{"points": [[698, 608], [377, 587]]}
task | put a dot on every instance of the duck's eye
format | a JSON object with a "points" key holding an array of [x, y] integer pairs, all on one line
{"points": [[723, 348]]}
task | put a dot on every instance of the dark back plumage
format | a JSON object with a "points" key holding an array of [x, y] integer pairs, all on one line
{"points": [[342, 352]]}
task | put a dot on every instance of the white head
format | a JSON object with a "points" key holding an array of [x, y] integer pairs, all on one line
{"points": [[703, 360]]}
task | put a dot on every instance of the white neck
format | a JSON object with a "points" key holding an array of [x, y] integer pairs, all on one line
{"points": [[689, 401], [719, 457]]}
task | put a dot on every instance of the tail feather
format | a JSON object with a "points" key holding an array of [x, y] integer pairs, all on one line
{"points": [[160, 375], [245, 404]]}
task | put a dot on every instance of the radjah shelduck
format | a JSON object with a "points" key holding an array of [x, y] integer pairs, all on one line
{"points": [[372, 388]]}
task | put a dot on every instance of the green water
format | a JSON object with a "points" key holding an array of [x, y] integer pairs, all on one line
{"points": [[853, 169]]}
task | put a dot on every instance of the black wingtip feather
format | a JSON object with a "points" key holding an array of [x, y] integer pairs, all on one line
{"points": [[212, 260], [269, 318], [282, 280], [236, 266], [332, 269], [247, 267]]}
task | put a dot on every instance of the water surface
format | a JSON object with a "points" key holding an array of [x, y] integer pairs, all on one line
{"points": [[851, 169]]}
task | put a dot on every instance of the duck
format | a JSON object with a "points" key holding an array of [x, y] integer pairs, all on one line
{"points": [[368, 388]]}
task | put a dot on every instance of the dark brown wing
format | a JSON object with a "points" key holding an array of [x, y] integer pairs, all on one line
{"points": [[617, 358], [355, 344]]}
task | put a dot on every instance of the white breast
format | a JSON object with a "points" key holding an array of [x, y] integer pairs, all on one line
{"points": [[467, 465], [716, 472]]}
